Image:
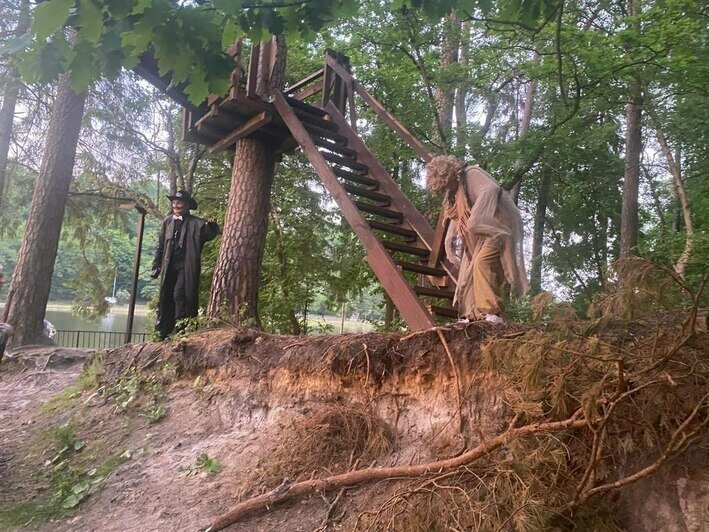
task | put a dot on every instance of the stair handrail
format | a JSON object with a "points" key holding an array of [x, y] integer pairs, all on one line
{"points": [[396, 126]]}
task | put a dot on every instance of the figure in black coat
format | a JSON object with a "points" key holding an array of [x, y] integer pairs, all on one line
{"points": [[177, 262]]}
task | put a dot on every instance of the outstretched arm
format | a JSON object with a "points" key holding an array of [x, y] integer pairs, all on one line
{"points": [[210, 230]]}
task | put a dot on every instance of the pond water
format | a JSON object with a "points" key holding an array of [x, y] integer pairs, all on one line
{"points": [[115, 321]]}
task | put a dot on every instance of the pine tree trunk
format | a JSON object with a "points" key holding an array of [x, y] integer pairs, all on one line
{"points": [[31, 280], [9, 100], [633, 148], [238, 270], [237, 274], [540, 217]]}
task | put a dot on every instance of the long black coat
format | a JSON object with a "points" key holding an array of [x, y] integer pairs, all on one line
{"points": [[195, 233]]}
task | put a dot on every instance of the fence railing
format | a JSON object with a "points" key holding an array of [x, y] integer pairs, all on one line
{"points": [[96, 339]]}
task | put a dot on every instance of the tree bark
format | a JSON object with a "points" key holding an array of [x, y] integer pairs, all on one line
{"points": [[529, 92], [681, 264], [237, 274], [445, 92], [9, 101], [540, 217], [461, 119], [633, 148], [31, 280]]}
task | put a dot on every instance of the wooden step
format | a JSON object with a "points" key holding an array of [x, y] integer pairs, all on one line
{"points": [[303, 106], [434, 292], [380, 211], [356, 178], [347, 163], [405, 248], [325, 133], [420, 268], [382, 199], [308, 118], [393, 229], [335, 148], [446, 312]]}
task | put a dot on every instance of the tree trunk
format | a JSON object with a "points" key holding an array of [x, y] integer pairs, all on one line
{"points": [[461, 119], [633, 148], [524, 125], [674, 166], [237, 274], [31, 280], [445, 91], [9, 100], [238, 270], [540, 217]]}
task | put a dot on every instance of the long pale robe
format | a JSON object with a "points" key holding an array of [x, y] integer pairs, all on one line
{"points": [[486, 216]]}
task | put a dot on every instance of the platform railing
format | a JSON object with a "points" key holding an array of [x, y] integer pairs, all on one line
{"points": [[96, 339]]}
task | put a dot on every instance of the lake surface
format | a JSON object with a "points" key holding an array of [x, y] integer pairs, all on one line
{"points": [[115, 321]]}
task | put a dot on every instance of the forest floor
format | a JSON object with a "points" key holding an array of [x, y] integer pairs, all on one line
{"points": [[169, 436]]}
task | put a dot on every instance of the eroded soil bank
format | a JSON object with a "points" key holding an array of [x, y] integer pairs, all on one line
{"points": [[169, 436]]}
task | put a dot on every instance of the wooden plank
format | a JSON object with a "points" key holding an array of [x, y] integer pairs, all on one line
{"points": [[380, 211], [446, 312], [252, 76], [405, 248], [356, 178], [310, 91], [419, 268], [307, 80], [387, 185], [264, 67], [434, 292], [254, 123], [401, 293], [382, 199], [346, 162], [439, 239], [393, 229]]}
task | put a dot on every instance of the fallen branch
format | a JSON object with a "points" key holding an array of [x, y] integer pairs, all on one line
{"points": [[371, 474]]}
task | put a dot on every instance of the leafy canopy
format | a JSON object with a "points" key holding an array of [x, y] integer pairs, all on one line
{"points": [[188, 39]]}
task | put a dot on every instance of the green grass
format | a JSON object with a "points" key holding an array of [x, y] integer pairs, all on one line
{"points": [[89, 379]]}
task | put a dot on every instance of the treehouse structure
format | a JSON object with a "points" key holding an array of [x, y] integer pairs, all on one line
{"points": [[318, 114]]}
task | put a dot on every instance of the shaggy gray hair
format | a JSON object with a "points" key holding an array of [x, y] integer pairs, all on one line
{"points": [[442, 173]]}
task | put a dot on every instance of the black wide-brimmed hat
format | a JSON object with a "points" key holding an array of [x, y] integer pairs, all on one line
{"points": [[183, 195]]}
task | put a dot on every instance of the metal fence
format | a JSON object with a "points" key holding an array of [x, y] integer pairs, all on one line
{"points": [[96, 339]]}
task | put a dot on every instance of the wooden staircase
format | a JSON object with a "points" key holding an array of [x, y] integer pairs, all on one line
{"points": [[405, 253], [396, 236]]}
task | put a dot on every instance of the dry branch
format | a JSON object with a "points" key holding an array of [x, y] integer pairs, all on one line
{"points": [[361, 476]]}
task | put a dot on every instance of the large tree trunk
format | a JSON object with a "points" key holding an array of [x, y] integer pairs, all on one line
{"points": [[633, 148], [9, 100], [31, 280], [540, 217], [237, 274]]}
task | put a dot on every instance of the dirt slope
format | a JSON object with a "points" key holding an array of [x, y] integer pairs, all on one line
{"points": [[169, 436]]}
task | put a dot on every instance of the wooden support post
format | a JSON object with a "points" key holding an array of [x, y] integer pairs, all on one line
{"points": [[252, 77], [438, 248]]}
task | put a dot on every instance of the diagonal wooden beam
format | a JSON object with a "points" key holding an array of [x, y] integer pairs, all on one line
{"points": [[401, 293], [253, 124]]}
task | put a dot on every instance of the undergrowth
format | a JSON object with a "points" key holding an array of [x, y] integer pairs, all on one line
{"points": [[643, 388]]}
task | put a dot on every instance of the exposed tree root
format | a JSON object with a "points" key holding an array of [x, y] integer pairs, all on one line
{"points": [[291, 491]]}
